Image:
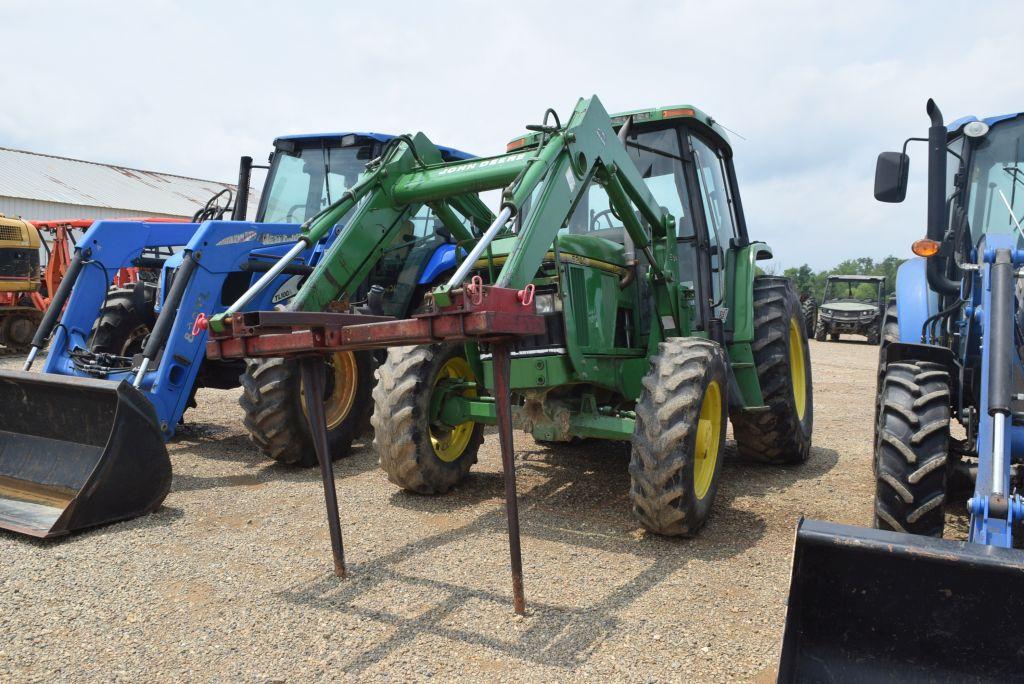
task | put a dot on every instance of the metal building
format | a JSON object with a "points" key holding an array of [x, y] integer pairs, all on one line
{"points": [[43, 187]]}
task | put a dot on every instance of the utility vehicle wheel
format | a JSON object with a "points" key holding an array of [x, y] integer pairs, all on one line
{"points": [[275, 406], [819, 332], [781, 433], [677, 445], [417, 450], [17, 331], [912, 450], [125, 320], [809, 309], [835, 337], [874, 337]]}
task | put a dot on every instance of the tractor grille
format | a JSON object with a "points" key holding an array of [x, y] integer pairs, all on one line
{"points": [[11, 233]]}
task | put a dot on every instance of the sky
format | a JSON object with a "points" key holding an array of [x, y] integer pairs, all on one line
{"points": [[814, 90]]}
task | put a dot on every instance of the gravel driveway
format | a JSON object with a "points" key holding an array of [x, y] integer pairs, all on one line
{"points": [[231, 579]]}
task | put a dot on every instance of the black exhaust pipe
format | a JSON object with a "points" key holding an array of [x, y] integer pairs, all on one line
{"points": [[937, 211], [242, 193]]}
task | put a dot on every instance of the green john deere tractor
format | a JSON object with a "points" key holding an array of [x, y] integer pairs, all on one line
{"points": [[628, 238], [655, 340]]}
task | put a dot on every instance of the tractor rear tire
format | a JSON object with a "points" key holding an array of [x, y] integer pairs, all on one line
{"points": [[275, 412], [125, 321], [417, 455], [809, 309], [676, 454], [780, 433], [912, 450]]}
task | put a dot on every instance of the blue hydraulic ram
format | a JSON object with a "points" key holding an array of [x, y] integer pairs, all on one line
{"points": [[899, 602]]}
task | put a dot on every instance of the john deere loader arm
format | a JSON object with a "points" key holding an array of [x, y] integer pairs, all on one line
{"points": [[376, 221]]}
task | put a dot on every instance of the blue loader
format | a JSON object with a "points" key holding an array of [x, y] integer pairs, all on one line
{"points": [[82, 443]]}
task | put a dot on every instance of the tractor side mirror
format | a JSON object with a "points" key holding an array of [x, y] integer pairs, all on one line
{"points": [[891, 174]]}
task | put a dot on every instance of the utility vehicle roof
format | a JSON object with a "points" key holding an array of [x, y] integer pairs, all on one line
{"points": [[857, 278], [450, 152]]}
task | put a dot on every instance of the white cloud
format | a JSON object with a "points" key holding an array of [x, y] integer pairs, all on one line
{"points": [[816, 88]]}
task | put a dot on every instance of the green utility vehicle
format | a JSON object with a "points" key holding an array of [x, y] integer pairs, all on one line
{"points": [[852, 305], [627, 236]]}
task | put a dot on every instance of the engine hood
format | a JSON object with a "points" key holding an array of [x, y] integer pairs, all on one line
{"points": [[849, 307]]}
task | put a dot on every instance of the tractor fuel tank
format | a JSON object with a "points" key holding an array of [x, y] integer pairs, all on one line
{"points": [[874, 605], [75, 453]]}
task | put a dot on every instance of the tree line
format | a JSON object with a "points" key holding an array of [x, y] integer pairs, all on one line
{"points": [[809, 281]]}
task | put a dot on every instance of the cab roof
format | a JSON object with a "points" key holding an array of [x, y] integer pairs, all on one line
{"points": [[672, 112], [450, 153], [955, 126], [646, 116]]}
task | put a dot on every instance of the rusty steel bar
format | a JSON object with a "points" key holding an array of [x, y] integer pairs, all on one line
{"points": [[504, 409], [312, 369]]}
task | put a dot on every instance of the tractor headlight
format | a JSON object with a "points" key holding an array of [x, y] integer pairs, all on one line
{"points": [[546, 303]]}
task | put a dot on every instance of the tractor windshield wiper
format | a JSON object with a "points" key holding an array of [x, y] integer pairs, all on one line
{"points": [[327, 171]]}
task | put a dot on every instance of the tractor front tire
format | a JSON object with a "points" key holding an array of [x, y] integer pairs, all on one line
{"points": [[780, 433], [912, 449], [418, 454], [125, 321], [275, 411], [679, 435]]}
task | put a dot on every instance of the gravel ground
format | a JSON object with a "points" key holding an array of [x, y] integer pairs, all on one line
{"points": [[231, 579]]}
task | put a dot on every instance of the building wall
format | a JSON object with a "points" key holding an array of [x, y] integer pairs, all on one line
{"points": [[44, 211]]}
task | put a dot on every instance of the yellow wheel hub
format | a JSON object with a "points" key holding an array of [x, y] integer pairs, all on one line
{"points": [[709, 440], [798, 368], [340, 388], [450, 442]]}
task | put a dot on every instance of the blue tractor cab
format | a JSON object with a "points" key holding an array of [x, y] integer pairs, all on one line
{"points": [[901, 600], [83, 442]]}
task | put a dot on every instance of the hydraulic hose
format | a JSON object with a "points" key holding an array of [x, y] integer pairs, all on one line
{"points": [[162, 328], [56, 307]]}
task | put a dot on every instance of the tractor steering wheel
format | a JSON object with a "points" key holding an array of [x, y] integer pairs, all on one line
{"points": [[598, 216]]}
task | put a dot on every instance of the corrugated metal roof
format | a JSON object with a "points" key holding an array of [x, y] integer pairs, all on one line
{"points": [[61, 180]]}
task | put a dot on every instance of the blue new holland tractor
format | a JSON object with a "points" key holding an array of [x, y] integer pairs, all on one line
{"points": [[82, 442], [899, 602]]}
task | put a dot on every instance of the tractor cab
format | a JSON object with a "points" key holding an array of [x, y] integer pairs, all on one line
{"points": [[307, 173], [685, 159], [19, 255]]}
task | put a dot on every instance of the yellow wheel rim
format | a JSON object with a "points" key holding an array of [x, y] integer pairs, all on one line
{"points": [[340, 388], [709, 440], [450, 442], [798, 368]]}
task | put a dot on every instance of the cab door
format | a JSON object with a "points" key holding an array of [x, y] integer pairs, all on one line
{"points": [[720, 217]]}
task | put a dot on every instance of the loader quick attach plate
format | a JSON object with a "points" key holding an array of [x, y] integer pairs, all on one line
{"points": [[872, 605], [485, 313]]}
